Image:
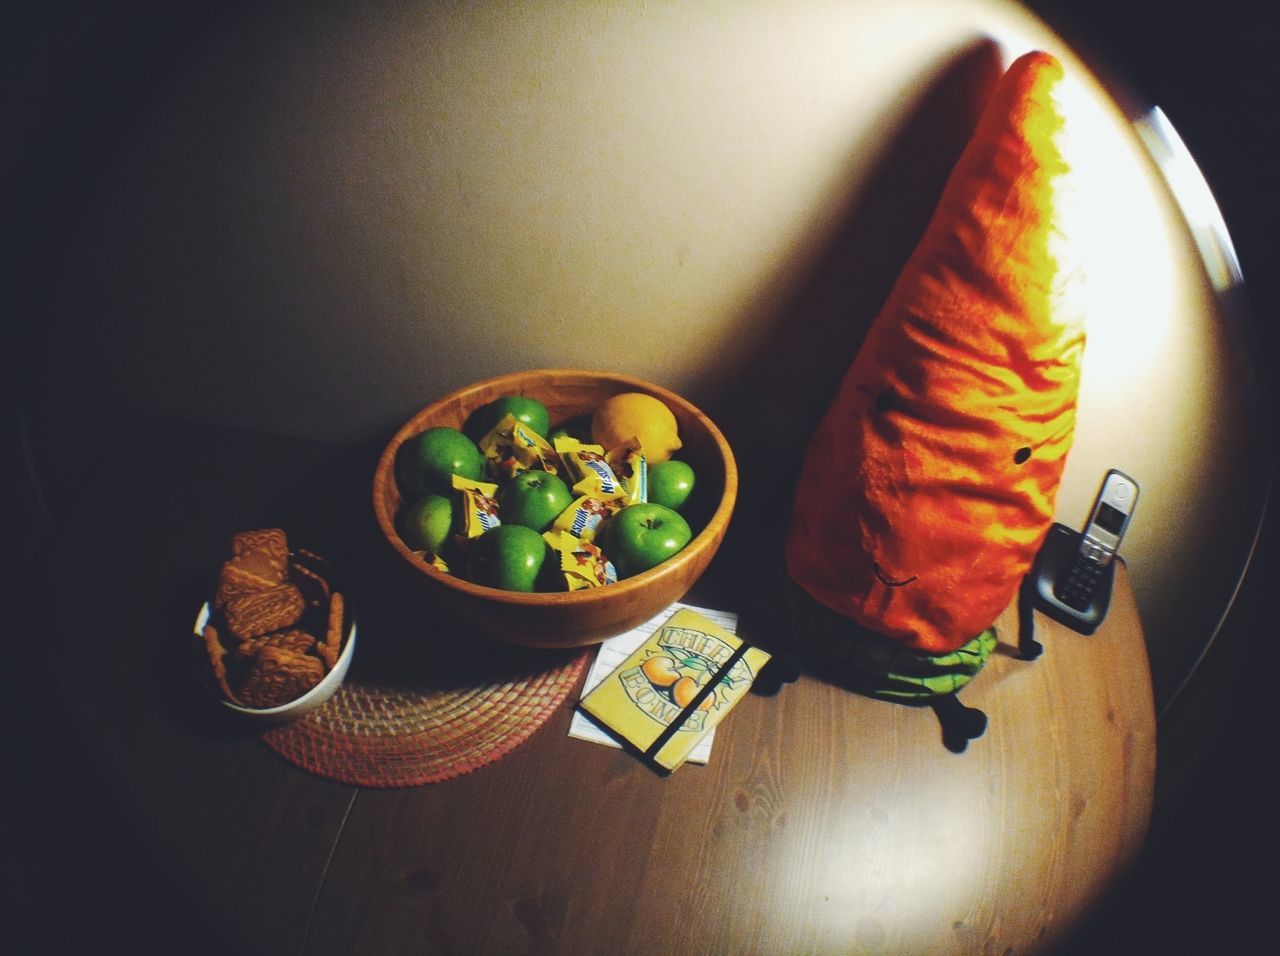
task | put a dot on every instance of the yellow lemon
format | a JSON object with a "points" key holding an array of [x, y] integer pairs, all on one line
{"points": [[639, 416]]}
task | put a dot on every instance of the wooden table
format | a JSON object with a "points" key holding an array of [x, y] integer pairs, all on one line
{"points": [[825, 821]]}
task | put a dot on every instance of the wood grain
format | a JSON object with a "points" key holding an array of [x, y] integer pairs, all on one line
{"points": [[825, 821]]}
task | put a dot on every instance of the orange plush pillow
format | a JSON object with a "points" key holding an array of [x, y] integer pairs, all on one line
{"points": [[929, 484]]}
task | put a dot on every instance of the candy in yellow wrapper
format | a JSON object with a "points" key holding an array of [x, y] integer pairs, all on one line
{"points": [[583, 518], [499, 452], [581, 562], [536, 452], [588, 470], [433, 560], [437, 562], [511, 447], [629, 464], [479, 505], [675, 687]]}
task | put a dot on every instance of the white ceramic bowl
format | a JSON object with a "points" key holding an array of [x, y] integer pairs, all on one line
{"points": [[294, 708]]}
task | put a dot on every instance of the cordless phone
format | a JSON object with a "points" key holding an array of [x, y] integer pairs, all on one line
{"points": [[1074, 570], [1099, 541]]}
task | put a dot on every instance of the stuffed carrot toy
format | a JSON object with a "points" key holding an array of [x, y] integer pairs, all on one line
{"points": [[929, 485]]}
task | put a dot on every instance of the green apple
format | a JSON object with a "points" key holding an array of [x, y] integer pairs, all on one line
{"points": [[427, 523], [533, 498], [670, 483], [426, 463], [642, 536], [528, 410], [509, 557]]}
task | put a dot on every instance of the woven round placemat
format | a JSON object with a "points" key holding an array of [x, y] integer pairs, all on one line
{"points": [[374, 736]]}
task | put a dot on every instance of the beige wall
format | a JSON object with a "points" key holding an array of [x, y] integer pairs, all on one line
{"points": [[331, 218]]}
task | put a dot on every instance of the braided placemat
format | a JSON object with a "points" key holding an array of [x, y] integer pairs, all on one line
{"points": [[379, 736]]}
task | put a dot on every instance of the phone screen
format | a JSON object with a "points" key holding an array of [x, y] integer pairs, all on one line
{"points": [[1109, 518]]}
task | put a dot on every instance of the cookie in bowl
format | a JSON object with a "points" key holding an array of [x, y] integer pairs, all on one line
{"points": [[277, 638]]}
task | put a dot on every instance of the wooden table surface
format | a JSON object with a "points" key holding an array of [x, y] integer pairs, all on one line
{"points": [[825, 821]]}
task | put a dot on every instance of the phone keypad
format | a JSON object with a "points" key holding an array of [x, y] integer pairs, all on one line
{"points": [[1077, 588]]}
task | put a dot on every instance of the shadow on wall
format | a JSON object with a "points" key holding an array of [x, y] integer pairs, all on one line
{"points": [[817, 333]]}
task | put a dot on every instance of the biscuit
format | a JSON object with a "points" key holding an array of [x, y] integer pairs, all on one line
{"points": [[278, 675], [321, 563], [331, 646], [297, 641], [259, 560], [235, 580], [261, 564], [217, 660], [314, 587], [268, 547], [271, 609], [271, 540]]}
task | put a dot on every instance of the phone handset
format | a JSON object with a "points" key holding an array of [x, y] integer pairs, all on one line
{"points": [[1100, 540]]}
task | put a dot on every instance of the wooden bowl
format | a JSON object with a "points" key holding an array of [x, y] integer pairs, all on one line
{"points": [[573, 618]]}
